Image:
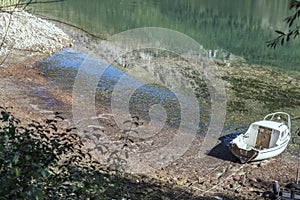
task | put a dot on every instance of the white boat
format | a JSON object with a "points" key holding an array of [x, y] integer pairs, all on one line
{"points": [[264, 139]]}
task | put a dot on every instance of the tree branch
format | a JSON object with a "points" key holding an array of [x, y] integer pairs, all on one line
{"points": [[30, 2], [285, 37]]}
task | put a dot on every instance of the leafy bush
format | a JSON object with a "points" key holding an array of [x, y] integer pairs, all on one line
{"points": [[42, 161], [30, 157]]}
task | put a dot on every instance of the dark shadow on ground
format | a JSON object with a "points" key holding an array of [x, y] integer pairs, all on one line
{"points": [[106, 184], [152, 189], [222, 151]]}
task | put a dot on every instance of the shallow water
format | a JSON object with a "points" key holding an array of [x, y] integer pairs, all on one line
{"points": [[62, 68]]}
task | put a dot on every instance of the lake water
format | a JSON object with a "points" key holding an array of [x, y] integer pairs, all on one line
{"points": [[115, 88], [240, 27]]}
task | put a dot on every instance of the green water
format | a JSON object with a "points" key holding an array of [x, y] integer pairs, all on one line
{"points": [[241, 27]]}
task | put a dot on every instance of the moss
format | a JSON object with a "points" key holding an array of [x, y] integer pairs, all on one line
{"points": [[272, 88], [272, 95]]}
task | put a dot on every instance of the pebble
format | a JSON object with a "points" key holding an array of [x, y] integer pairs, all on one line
{"points": [[30, 33]]}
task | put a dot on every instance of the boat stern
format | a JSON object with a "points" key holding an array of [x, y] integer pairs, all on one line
{"points": [[243, 154]]}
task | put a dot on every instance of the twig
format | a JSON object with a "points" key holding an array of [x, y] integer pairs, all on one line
{"points": [[191, 185], [6, 32], [196, 188], [244, 179], [71, 25], [213, 187], [6, 56], [5, 35], [298, 117], [30, 2]]}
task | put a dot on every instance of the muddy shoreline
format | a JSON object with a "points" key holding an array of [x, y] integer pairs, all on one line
{"points": [[218, 174], [31, 96]]}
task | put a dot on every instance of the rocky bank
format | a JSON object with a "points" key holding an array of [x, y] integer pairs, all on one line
{"points": [[23, 35]]}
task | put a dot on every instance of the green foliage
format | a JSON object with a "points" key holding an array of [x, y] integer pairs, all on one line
{"points": [[293, 29], [29, 157], [43, 161]]}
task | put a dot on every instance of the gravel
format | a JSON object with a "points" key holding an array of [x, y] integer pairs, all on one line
{"points": [[21, 31]]}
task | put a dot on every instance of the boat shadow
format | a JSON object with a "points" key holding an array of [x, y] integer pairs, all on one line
{"points": [[222, 151]]}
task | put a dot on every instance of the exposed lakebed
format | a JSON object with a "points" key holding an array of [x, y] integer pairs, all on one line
{"points": [[252, 91]]}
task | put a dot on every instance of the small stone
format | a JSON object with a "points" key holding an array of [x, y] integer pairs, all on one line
{"points": [[252, 179], [259, 180], [236, 178]]}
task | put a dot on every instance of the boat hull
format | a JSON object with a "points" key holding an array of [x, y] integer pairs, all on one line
{"points": [[263, 139], [242, 154], [272, 152], [256, 154]]}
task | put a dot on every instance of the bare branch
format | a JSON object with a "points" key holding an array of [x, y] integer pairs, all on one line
{"points": [[6, 32], [30, 2]]}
